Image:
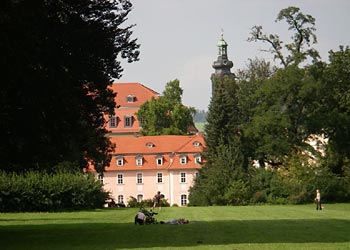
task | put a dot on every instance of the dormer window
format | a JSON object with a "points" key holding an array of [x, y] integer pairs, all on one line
{"points": [[183, 159], [149, 145], [197, 144], [128, 121], [139, 160], [141, 122], [197, 158], [130, 99], [120, 161], [159, 160]]}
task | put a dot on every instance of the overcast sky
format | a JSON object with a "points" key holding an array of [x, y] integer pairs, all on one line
{"points": [[178, 38]]}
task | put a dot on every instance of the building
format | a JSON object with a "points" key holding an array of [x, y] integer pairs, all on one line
{"points": [[129, 97], [143, 165]]}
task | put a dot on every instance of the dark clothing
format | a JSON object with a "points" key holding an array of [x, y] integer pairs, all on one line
{"points": [[318, 205]]}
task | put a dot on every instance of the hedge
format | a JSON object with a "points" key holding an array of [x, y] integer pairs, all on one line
{"points": [[41, 191]]}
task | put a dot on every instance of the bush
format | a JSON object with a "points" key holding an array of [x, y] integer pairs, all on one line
{"points": [[132, 202], [40, 191]]}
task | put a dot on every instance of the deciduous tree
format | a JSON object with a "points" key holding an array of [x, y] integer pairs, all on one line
{"points": [[57, 60], [167, 114]]}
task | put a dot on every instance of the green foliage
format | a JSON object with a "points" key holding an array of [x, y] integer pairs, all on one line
{"points": [[132, 202], [58, 61], [299, 49], [40, 191], [166, 115], [269, 115], [223, 116]]}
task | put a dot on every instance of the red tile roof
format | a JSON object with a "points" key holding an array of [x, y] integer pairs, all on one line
{"points": [[138, 90], [170, 147]]}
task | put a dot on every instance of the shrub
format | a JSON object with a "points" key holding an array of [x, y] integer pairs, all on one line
{"points": [[132, 202], [40, 191]]}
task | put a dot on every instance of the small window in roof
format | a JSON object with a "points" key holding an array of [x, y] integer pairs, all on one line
{"points": [[196, 144], [149, 144], [130, 98]]}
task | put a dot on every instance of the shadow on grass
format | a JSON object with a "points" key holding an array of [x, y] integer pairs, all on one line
{"points": [[117, 235]]}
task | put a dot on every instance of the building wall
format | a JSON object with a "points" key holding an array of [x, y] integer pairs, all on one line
{"points": [[172, 187]]}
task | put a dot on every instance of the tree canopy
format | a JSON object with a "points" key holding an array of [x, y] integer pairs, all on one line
{"points": [[58, 59], [260, 125], [167, 114]]}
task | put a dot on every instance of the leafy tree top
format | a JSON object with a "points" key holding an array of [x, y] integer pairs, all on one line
{"points": [[167, 114], [58, 59]]}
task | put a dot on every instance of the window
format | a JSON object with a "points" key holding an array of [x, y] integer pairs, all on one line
{"points": [[149, 145], [159, 160], [100, 178], [139, 197], [120, 161], [120, 178], [196, 144], [139, 179], [183, 160], [113, 122], [128, 121], [197, 158], [159, 177], [196, 175], [139, 160], [183, 200], [182, 177], [130, 98], [141, 122], [120, 198]]}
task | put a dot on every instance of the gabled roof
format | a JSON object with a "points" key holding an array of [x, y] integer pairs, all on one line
{"points": [[137, 90], [161, 144], [170, 147]]}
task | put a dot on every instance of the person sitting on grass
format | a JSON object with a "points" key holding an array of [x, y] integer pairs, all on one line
{"points": [[140, 218], [175, 221]]}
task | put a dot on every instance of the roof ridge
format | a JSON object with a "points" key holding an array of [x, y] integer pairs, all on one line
{"points": [[138, 83]]}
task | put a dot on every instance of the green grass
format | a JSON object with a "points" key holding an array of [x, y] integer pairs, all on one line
{"points": [[251, 227]]}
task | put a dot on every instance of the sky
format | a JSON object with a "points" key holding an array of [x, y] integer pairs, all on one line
{"points": [[178, 38]]}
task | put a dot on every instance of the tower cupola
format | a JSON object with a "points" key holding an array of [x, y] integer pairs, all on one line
{"points": [[222, 65]]}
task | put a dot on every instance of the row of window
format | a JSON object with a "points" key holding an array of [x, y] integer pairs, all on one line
{"points": [[159, 160], [139, 178], [159, 178], [183, 199], [127, 119]]}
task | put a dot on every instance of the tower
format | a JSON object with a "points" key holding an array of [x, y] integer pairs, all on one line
{"points": [[222, 65]]}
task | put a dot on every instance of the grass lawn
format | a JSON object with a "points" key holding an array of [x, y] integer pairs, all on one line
{"points": [[252, 227]]}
